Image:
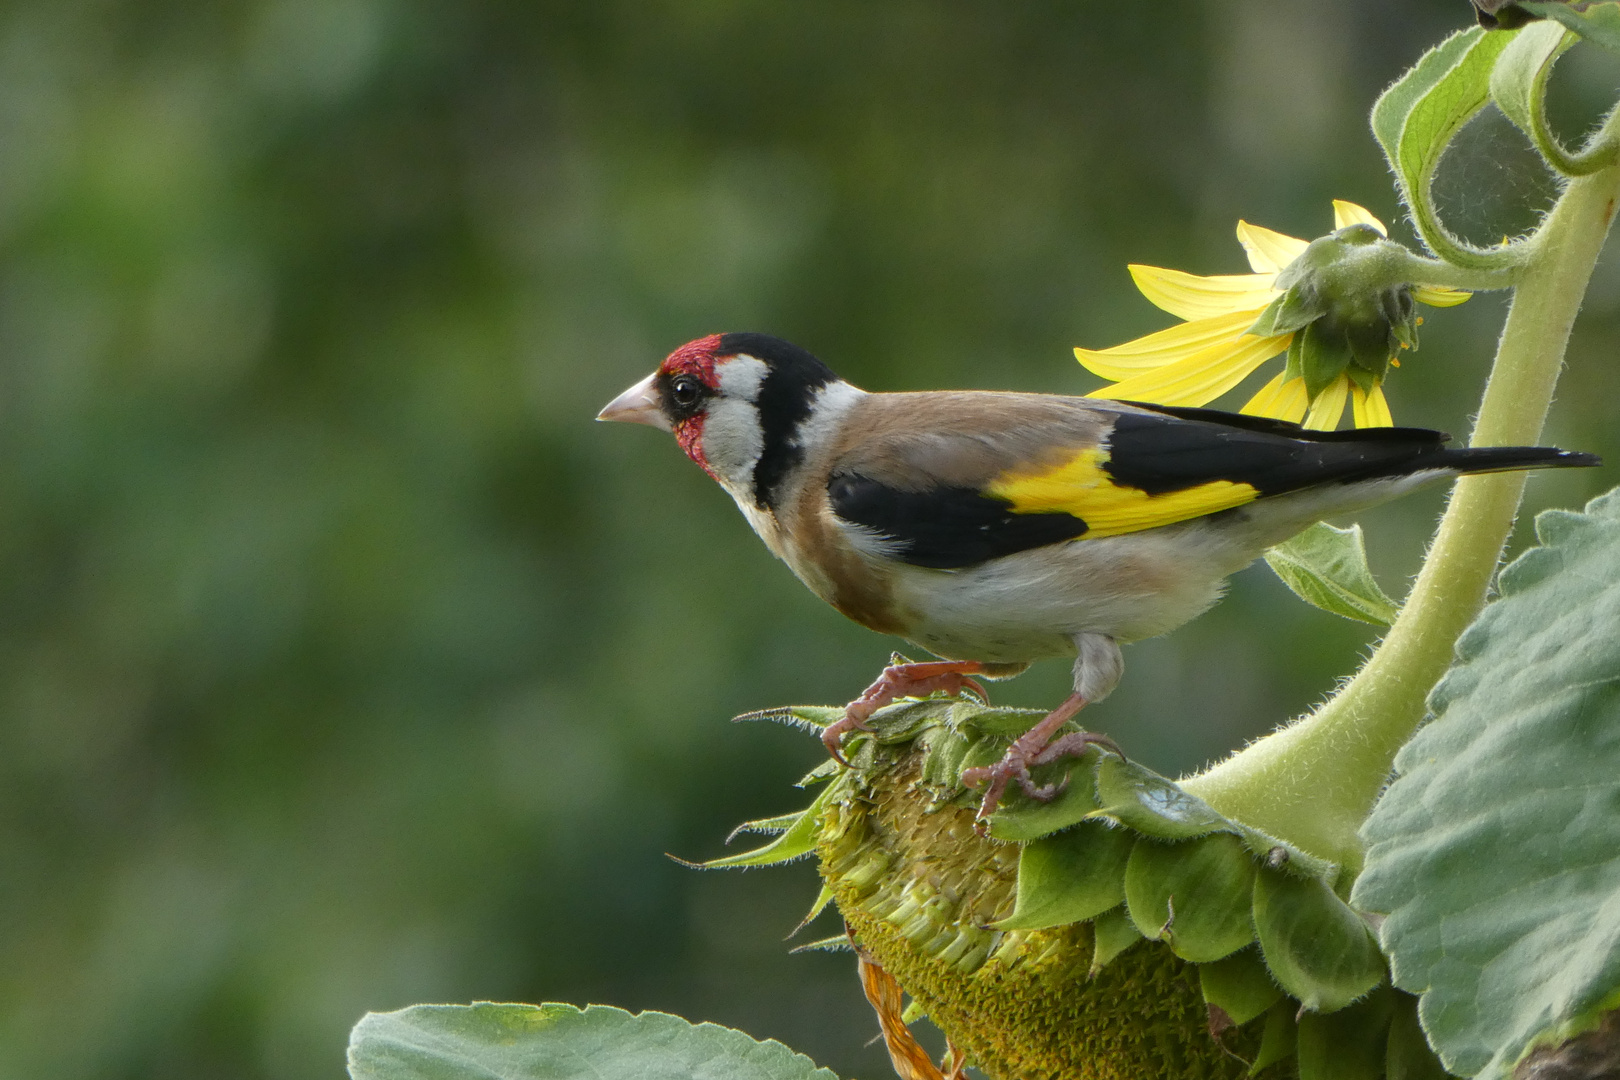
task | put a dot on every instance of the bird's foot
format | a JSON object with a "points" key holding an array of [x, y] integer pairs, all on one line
{"points": [[1034, 747], [898, 681]]}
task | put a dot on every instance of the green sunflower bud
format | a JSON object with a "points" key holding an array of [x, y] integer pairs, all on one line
{"points": [[1347, 308]]}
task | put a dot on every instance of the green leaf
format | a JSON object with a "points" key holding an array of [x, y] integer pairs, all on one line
{"points": [[1598, 23], [1496, 851], [1239, 985], [1070, 877], [1415, 119], [944, 755], [1519, 80], [1444, 108], [1318, 949], [797, 841], [1395, 104], [1111, 934], [973, 719], [487, 1041], [1193, 895], [1327, 567]]}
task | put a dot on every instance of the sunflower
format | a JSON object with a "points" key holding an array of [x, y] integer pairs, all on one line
{"points": [[1339, 344]]}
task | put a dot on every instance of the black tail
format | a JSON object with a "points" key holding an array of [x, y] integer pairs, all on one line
{"points": [[1182, 446], [1484, 459]]}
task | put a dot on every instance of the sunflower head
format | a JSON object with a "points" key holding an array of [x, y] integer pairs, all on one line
{"points": [[1340, 307]]}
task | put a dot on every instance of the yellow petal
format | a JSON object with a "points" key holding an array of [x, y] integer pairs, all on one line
{"points": [[1329, 406], [1188, 296], [1268, 251], [1436, 296], [1370, 410], [1348, 213], [1166, 346], [1200, 378], [1282, 398]]}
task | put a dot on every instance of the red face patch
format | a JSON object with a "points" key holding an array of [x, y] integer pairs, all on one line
{"points": [[695, 358]]}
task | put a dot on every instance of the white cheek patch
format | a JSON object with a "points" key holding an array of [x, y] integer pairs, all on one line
{"points": [[732, 440]]}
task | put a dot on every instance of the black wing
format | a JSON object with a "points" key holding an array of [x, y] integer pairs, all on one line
{"points": [[945, 527]]}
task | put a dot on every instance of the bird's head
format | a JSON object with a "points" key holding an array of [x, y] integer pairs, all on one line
{"points": [[743, 406]]}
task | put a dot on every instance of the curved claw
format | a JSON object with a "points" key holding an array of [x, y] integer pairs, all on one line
{"points": [[1035, 747], [832, 736]]}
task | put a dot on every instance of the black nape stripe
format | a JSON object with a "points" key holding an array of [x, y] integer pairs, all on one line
{"points": [[946, 528], [784, 401]]}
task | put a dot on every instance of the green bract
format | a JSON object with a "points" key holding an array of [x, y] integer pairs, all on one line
{"points": [[487, 1041], [1348, 298], [1496, 852]]}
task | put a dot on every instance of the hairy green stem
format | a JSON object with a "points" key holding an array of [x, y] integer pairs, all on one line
{"points": [[1314, 781], [1599, 153], [1423, 271], [1460, 255]]}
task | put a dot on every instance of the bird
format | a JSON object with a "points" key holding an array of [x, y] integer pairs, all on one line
{"points": [[997, 529]]}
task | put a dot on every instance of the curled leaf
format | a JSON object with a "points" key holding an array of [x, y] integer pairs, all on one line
{"points": [[1327, 567], [1415, 119], [1519, 88]]}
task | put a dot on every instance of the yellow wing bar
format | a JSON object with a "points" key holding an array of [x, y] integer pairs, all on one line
{"points": [[1080, 487]]}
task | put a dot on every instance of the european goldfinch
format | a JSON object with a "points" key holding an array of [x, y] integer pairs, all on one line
{"points": [[997, 529]]}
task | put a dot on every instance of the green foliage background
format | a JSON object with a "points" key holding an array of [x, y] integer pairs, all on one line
{"points": [[345, 664]]}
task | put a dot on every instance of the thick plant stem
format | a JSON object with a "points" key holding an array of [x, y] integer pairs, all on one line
{"points": [[1314, 782]]}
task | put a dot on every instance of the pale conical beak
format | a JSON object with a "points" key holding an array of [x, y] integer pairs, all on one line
{"points": [[638, 405]]}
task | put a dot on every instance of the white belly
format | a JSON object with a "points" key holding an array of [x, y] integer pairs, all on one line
{"points": [[1030, 605]]}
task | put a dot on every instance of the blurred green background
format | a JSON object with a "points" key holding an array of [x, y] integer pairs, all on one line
{"points": [[345, 663]]}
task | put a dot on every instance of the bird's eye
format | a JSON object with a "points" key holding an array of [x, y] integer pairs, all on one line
{"points": [[685, 390]]}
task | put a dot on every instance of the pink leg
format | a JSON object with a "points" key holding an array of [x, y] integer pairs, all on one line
{"points": [[898, 681], [1034, 747]]}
